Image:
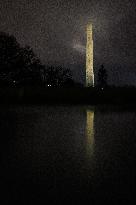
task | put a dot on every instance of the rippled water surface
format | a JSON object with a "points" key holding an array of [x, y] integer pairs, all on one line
{"points": [[67, 153]]}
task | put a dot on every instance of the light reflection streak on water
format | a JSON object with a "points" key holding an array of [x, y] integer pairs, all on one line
{"points": [[89, 133]]}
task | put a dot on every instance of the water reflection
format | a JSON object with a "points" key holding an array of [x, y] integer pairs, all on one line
{"points": [[64, 150], [90, 132]]}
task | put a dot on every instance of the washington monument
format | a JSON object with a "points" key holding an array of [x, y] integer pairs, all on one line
{"points": [[89, 57]]}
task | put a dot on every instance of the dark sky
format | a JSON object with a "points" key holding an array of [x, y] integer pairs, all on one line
{"points": [[56, 30]]}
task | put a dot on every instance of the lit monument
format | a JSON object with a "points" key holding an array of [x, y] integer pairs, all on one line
{"points": [[89, 57]]}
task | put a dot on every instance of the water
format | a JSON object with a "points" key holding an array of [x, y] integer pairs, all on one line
{"points": [[67, 154]]}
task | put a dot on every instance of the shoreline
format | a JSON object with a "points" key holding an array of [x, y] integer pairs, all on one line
{"points": [[88, 96]]}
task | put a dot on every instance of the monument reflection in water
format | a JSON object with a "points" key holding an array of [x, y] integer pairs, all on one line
{"points": [[60, 152], [90, 132], [90, 144]]}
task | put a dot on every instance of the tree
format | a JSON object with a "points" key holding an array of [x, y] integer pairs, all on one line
{"points": [[102, 77], [20, 66], [57, 76], [17, 64], [9, 48], [29, 67]]}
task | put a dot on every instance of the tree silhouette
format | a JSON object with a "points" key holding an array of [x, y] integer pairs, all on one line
{"points": [[29, 67], [20, 66], [57, 76], [102, 77], [17, 64]]}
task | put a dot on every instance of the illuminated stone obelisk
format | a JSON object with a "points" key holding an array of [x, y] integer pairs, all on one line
{"points": [[89, 57]]}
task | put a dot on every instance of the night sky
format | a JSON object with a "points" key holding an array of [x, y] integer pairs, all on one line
{"points": [[56, 30]]}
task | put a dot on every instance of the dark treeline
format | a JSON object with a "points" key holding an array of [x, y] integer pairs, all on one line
{"points": [[102, 77], [19, 66], [23, 78]]}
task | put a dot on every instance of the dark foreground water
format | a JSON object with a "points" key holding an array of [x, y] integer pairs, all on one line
{"points": [[53, 154]]}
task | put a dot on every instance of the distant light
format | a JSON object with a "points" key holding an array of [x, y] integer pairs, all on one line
{"points": [[14, 81], [49, 85], [102, 88]]}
